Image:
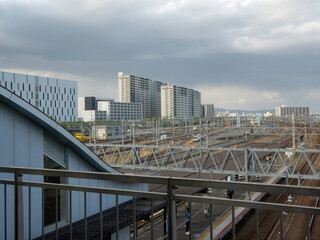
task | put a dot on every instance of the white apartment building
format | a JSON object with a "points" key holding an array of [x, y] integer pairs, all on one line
{"points": [[282, 111], [94, 116], [180, 102], [135, 89], [121, 110], [89, 103], [56, 98], [103, 109]]}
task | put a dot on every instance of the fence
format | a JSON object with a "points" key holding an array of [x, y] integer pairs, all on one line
{"points": [[170, 196]]}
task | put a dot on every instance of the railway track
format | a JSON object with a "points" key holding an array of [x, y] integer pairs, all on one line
{"points": [[269, 222]]}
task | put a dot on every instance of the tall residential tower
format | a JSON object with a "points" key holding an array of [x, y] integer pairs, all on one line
{"points": [[141, 90], [180, 102], [282, 111]]}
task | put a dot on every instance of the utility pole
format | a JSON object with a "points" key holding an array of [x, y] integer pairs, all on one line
{"points": [[134, 136], [305, 128], [207, 135], [157, 132], [122, 133], [293, 133], [201, 138]]}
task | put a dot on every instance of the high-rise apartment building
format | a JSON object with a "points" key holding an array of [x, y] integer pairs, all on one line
{"points": [[121, 110], [208, 111], [141, 90], [282, 111], [55, 97], [89, 104], [103, 109], [180, 102]]}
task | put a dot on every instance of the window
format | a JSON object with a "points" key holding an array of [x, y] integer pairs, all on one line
{"points": [[54, 157]]}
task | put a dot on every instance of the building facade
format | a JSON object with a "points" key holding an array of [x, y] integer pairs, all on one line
{"points": [[282, 111], [208, 111], [180, 102], [135, 89], [94, 116], [121, 110], [56, 98], [103, 109], [89, 104]]}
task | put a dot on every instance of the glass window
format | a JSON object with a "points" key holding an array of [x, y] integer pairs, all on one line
{"points": [[54, 150], [54, 157], [53, 197]]}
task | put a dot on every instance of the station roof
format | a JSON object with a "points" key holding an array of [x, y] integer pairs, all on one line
{"points": [[54, 128]]}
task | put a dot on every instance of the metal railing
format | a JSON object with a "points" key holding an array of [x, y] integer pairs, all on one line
{"points": [[170, 197]]}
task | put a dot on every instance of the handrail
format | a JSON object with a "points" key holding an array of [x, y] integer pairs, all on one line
{"points": [[188, 182]]}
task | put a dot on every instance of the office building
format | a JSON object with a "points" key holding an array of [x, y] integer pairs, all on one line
{"points": [[56, 98], [282, 111], [180, 102], [141, 90]]}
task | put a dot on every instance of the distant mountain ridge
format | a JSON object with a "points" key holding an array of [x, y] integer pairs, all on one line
{"points": [[244, 111]]}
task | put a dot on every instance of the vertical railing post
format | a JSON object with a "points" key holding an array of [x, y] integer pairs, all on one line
{"points": [[308, 227], [135, 232], [233, 223], [246, 169], [281, 225], [18, 203], [211, 222], [257, 224], [172, 235], [151, 218], [5, 211]]}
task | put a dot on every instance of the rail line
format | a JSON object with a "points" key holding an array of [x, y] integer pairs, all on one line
{"points": [[269, 222]]}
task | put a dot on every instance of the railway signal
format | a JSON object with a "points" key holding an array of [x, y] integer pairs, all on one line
{"points": [[301, 138]]}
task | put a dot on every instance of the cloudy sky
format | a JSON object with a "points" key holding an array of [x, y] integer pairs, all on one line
{"points": [[239, 54]]}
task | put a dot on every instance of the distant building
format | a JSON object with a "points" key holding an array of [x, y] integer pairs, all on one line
{"points": [[142, 90], [56, 98], [202, 110], [121, 110], [282, 111], [89, 104], [208, 111], [180, 102], [103, 109], [109, 132], [267, 114], [94, 116]]}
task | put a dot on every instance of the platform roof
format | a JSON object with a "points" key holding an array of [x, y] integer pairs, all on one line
{"points": [[54, 128]]}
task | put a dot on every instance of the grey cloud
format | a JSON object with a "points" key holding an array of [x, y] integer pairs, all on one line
{"points": [[257, 46]]}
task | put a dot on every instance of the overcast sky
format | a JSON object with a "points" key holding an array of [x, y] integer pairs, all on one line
{"points": [[239, 54]]}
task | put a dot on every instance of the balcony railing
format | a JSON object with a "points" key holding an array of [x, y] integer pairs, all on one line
{"points": [[170, 195]]}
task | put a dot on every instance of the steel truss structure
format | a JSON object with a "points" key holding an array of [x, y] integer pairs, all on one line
{"points": [[229, 161], [273, 130]]}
